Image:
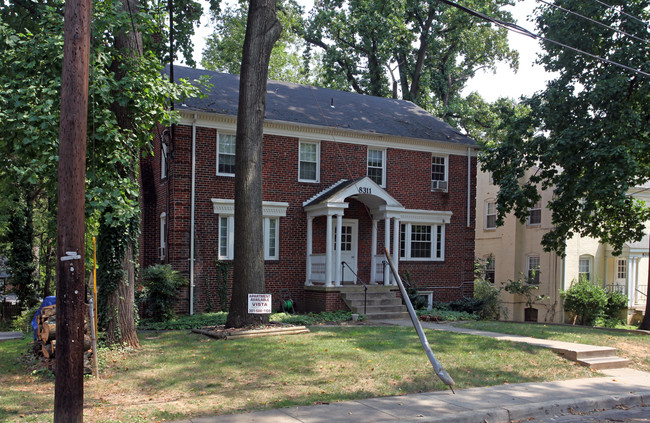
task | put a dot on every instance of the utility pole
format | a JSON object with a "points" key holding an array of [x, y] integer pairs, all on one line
{"points": [[70, 291]]}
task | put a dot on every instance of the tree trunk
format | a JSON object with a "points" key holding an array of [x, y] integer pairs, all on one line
{"points": [[645, 324], [120, 303], [262, 31], [120, 327]]}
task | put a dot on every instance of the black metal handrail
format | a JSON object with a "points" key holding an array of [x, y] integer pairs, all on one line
{"points": [[641, 292], [365, 287]]}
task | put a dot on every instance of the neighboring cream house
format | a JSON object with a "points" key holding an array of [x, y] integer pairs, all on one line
{"points": [[516, 250]]}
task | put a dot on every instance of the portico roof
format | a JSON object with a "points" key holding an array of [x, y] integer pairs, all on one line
{"points": [[362, 189]]}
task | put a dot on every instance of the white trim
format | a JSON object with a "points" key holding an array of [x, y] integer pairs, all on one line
{"points": [[269, 208], [315, 133], [488, 214], [437, 230], [217, 170], [317, 144], [384, 165], [445, 157]]}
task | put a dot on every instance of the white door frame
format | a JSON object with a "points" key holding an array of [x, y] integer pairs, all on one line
{"points": [[348, 256]]}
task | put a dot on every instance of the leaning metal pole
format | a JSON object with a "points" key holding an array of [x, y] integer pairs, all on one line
{"points": [[437, 367]]}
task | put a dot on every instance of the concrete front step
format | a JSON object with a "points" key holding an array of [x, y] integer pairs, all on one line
{"points": [[599, 363], [388, 316], [375, 304], [577, 352]]}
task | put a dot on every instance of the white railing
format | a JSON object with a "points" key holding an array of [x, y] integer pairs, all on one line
{"points": [[641, 293], [318, 266]]}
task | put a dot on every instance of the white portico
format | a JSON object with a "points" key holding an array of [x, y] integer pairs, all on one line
{"points": [[339, 257]]}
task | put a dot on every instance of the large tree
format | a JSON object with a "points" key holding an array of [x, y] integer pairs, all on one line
{"points": [[587, 135], [418, 50], [262, 31]]}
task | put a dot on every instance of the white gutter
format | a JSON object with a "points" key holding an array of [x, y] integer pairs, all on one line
{"points": [[469, 184], [192, 206]]}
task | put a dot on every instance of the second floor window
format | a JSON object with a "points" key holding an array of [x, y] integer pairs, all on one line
{"points": [[377, 166], [490, 215], [308, 162], [438, 173], [585, 267], [226, 154], [535, 217]]}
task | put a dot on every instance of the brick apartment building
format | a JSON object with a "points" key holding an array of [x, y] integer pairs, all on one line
{"points": [[344, 176]]}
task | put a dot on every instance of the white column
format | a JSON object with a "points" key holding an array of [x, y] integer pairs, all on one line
{"points": [[395, 248], [387, 246], [337, 262], [328, 252], [631, 275], [310, 221], [373, 254]]}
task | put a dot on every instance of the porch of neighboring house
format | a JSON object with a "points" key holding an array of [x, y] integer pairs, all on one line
{"points": [[630, 277]]}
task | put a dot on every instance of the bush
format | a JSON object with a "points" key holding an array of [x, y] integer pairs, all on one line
{"points": [[23, 322], [160, 285], [487, 300], [586, 300], [468, 305]]}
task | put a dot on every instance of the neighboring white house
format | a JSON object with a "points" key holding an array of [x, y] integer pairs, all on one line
{"points": [[516, 251]]}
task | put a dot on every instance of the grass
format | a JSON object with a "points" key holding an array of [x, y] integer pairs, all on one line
{"points": [[177, 374], [634, 347]]}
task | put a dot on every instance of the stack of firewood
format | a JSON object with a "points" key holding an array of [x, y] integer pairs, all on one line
{"points": [[45, 344]]}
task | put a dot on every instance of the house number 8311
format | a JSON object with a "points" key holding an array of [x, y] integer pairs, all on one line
{"points": [[365, 190]]}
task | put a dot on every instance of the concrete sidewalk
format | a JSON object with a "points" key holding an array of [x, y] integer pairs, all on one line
{"points": [[5, 336], [503, 403]]}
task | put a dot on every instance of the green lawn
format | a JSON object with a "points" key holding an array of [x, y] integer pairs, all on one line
{"points": [[178, 374], [633, 346]]}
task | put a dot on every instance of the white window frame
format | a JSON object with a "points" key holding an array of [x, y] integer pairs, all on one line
{"points": [[219, 134], [537, 209], [437, 234], [163, 160], [271, 211], [382, 183], [530, 266], [445, 163], [300, 161], [587, 260], [490, 213], [162, 250], [271, 238], [621, 268], [490, 268]]}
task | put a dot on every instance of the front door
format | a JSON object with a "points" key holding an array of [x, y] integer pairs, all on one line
{"points": [[349, 239]]}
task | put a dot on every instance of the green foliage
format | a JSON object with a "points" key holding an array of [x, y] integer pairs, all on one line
{"points": [[23, 322], [161, 283], [525, 286], [418, 301], [586, 300], [587, 136], [443, 315], [223, 51], [487, 299], [21, 255], [223, 272], [612, 313]]}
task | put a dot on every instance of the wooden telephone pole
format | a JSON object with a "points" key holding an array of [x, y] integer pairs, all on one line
{"points": [[70, 291]]}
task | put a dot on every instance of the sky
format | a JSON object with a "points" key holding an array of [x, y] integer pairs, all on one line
{"points": [[504, 83]]}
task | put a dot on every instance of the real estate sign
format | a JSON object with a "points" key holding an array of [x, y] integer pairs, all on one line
{"points": [[259, 303]]}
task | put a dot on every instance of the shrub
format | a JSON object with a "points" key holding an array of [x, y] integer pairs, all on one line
{"points": [[419, 302], [586, 300], [160, 284], [23, 322], [468, 305], [487, 301]]}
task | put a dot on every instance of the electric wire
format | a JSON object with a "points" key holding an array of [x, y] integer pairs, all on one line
{"points": [[523, 31], [593, 21], [623, 13]]}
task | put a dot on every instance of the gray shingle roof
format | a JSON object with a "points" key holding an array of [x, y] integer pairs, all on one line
{"points": [[302, 104]]}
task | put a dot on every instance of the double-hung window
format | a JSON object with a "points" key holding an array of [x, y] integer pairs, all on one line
{"points": [[585, 267], [535, 216], [532, 269], [272, 212], [226, 154], [490, 269], [422, 242], [490, 215], [377, 166], [308, 162], [439, 173]]}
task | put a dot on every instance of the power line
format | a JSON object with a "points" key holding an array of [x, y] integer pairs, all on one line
{"points": [[523, 31], [623, 13], [593, 21]]}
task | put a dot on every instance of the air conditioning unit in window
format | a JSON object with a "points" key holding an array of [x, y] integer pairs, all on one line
{"points": [[438, 185], [161, 253]]}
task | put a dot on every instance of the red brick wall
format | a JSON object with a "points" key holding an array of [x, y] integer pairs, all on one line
{"points": [[408, 181]]}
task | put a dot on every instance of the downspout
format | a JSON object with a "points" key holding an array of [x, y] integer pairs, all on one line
{"points": [[469, 184], [192, 207]]}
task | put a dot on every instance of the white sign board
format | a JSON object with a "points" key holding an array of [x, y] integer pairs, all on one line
{"points": [[259, 303]]}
